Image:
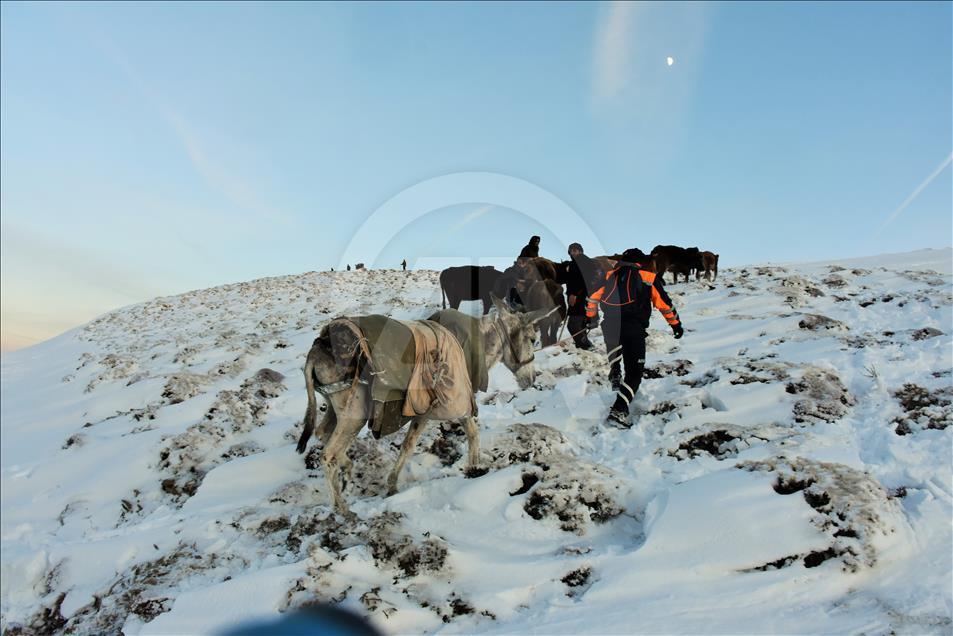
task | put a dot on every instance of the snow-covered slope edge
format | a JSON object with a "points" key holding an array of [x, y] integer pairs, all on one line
{"points": [[791, 471]]}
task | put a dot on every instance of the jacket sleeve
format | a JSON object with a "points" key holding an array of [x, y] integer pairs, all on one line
{"points": [[663, 303], [592, 304]]}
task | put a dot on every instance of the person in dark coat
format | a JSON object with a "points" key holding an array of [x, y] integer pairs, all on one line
{"points": [[505, 287], [403, 264], [531, 249], [580, 275], [627, 297]]}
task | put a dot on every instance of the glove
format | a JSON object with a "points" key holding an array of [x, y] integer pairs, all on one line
{"points": [[677, 330], [592, 323]]}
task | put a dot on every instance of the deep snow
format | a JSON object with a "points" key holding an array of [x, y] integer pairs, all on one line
{"points": [[790, 471]]}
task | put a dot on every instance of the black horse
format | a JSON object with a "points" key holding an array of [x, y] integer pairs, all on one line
{"points": [[468, 282]]}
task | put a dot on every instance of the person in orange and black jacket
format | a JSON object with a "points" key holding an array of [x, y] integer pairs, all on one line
{"points": [[626, 299]]}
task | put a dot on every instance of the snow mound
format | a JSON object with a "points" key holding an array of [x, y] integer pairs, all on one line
{"points": [[860, 517]]}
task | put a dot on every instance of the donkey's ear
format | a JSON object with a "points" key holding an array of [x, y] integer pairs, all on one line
{"points": [[499, 304], [533, 317]]}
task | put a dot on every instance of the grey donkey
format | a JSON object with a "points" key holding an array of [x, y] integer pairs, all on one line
{"points": [[331, 369]]}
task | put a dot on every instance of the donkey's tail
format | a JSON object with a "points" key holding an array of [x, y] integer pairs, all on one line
{"points": [[310, 415], [443, 295]]}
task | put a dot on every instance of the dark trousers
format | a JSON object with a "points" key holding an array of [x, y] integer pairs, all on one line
{"points": [[625, 344], [577, 327]]}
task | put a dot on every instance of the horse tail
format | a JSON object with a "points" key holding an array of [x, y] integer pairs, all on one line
{"points": [[311, 414], [443, 293]]}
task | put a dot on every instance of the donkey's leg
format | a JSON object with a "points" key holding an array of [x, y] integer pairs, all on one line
{"points": [[473, 442], [336, 448], [410, 442], [348, 425]]}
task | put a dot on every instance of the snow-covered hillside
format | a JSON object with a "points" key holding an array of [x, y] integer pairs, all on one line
{"points": [[790, 472]]}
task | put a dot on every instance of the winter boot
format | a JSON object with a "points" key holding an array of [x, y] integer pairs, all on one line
{"points": [[615, 377], [618, 419], [619, 413]]}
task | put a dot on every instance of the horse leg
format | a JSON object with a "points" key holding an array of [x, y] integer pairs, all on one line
{"points": [[473, 442], [410, 442]]}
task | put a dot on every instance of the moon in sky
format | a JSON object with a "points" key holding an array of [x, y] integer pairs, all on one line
{"points": [[670, 60]]}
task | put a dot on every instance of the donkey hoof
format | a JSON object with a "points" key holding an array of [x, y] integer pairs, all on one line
{"points": [[475, 471]]}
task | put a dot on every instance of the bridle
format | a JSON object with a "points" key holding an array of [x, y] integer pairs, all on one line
{"points": [[327, 390], [508, 342]]}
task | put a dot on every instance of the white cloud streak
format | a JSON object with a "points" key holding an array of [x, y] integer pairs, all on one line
{"points": [[471, 216], [612, 50], [920, 188]]}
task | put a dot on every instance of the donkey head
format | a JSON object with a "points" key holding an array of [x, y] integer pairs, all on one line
{"points": [[517, 335]]}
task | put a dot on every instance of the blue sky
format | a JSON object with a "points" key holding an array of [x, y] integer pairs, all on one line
{"points": [[151, 149]]}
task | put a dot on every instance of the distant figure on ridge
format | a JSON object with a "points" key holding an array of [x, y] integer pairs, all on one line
{"points": [[403, 264]]}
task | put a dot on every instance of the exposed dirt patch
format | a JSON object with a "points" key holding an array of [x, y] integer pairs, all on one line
{"points": [[761, 370], [183, 386], [115, 367], [393, 548], [577, 578], [528, 443], [574, 493], [722, 440], [142, 590], [662, 408], [186, 458], [48, 620], [825, 398], [529, 480], [926, 333], [449, 443], [676, 367], [852, 508], [817, 322], [923, 409], [709, 377], [835, 282]]}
